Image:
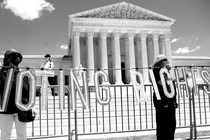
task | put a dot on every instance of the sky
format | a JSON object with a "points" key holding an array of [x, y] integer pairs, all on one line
{"points": [[37, 27]]}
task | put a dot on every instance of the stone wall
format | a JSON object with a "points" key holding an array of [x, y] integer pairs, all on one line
{"points": [[60, 61], [191, 61], [66, 62], [35, 61]]}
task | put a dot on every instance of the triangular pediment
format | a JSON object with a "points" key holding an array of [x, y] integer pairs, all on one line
{"points": [[122, 10]]}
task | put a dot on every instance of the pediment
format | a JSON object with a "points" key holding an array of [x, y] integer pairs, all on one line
{"points": [[122, 10]]}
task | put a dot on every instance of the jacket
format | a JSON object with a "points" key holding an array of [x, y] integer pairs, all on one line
{"points": [[12, 108]]}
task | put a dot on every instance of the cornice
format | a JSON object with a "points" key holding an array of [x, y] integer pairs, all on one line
{"points": [[96, 22]]}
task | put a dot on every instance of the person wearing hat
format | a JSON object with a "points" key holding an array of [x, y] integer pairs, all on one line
{"points": [[49, 65], [165, 107], [12, 59]]}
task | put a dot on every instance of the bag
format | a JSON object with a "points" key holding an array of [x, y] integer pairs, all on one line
{"points": [[26, 116]]}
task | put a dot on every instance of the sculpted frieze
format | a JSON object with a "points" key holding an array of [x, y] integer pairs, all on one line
{"points": [[122, 12]]}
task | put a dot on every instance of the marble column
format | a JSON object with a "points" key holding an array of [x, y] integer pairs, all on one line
{"points": [[76, 49], [150, 49], [156, 44], [90, 58], [168, 47], [117, 73], [162, 44], [138, 53], [127, 64], [145, 66], [103, 50], [130, 55], [131, 50]]}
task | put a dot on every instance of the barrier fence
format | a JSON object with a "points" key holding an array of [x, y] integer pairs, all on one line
{"points": [[123, 113]]}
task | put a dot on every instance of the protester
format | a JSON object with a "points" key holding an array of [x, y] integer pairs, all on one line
{"points": [[12, 59], [49, 65], [165, 108]]}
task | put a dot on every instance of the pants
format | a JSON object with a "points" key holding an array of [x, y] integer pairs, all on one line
{"points": [[166, 123], [6, 124], [51, 81]]}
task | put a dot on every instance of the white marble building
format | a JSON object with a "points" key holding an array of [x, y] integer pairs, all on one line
{"points": [[118, 36], [115, 37]]}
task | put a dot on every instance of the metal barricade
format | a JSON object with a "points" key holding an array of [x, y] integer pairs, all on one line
{"points": [[122, 114]]}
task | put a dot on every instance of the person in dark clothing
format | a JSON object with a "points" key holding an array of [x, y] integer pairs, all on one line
{"points": [[166, 106], [12, 59]]}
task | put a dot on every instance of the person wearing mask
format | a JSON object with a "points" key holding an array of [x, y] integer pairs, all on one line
{"points": [[166, 106], [49, 65], [12, 59]]}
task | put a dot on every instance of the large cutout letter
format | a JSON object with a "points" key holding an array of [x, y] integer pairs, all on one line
{"points": [[206, 77], [44, 91], [7, 88], [169, 82], [74, 83], [105, 87], [193, 71], [138, 87], [184, 81], [32, 92], [61, 90], [154, 84]]}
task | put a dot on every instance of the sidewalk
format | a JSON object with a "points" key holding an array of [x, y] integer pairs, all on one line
{"points": [[181, 134]]}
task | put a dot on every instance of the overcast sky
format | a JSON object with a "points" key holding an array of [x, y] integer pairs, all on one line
{"points": [[37, 27]]}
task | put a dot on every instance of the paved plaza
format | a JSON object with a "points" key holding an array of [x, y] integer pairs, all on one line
{"points": [[181, 134]]}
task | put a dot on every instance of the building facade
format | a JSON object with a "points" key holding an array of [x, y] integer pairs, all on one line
{"points": [[118, 36]]}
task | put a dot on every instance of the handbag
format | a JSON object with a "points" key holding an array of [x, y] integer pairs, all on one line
{"points": [[29, 115], [26, 116]]}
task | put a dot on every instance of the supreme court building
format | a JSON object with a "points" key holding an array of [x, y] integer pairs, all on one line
{"points": [[117, 38]]}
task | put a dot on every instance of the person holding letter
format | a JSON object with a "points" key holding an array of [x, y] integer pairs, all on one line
{"points": [[166, 106], [8, 109]]}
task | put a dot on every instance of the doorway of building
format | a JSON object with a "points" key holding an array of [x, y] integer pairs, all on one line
{"points": [[123, 72]]}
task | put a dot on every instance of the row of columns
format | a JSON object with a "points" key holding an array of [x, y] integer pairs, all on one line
{"points": [[160, 47]]}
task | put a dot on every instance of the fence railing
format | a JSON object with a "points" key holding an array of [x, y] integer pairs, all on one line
{"points": [[122, 114]]}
